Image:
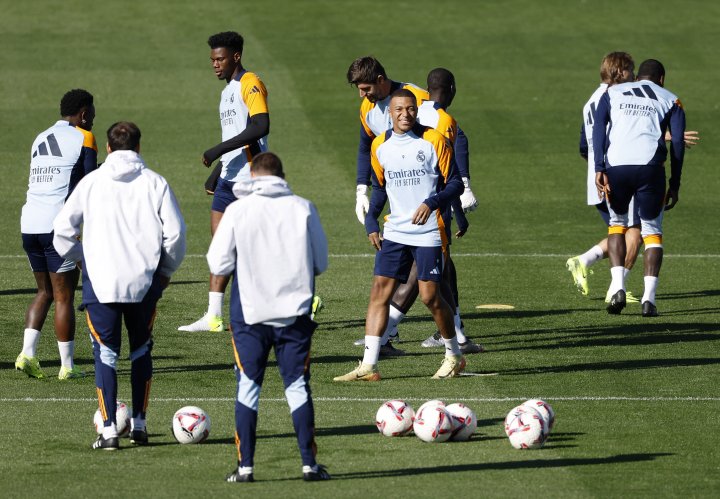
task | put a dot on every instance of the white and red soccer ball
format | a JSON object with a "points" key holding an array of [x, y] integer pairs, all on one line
{"points": [[394, 418], [433, 423], [122, 418], [191, 425], [464, 421], [526, 428], [544, 409]]}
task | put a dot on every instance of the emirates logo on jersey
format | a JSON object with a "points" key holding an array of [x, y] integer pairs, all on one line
{"points": [[420, 157]]}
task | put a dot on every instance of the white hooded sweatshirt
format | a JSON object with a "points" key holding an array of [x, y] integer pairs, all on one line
{"points": [[276, 243], [132, 228]]}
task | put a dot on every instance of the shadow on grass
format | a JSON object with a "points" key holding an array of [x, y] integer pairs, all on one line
{"points": [[25, 291], [503, 465], [618, 365]]}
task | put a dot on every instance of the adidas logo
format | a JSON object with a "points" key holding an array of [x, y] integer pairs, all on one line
{"points": [[435, 271]]}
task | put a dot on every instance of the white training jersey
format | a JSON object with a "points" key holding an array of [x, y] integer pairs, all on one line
{"points": [[411, 167], [639, 113], [431, 114], [243, 97], [60, 157], [588, 121]]}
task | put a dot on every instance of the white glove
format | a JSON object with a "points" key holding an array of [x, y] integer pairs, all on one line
{"points": [[467, 198], [362, 203]]}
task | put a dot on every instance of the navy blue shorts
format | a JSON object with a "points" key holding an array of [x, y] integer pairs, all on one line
{"points": [[223, 195], [42, 255], [645, 182], [394, 260]]}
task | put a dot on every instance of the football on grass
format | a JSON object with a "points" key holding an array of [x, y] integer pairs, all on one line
{"points": [[526, 428], [190, 425], [432, 424], [464, 422], [394, 418], [545, 411], [122, 417]]}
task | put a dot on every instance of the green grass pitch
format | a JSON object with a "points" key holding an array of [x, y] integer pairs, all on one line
{"points": [[637, 400]]}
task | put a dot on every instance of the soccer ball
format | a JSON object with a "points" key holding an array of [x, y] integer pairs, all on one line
{"points": [[545, 411], [394, 418], [464, 422], [190, 425], [430, 403], [516, 411], [433, 424], [122, 418], [526, 428]]}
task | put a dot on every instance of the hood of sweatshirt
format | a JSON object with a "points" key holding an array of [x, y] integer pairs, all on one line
{"points": [[122, 164], [266, 185]]}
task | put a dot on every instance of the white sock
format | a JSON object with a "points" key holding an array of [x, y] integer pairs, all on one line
{"points": [[215, 303], [591, 256], [626, 271], [372, 350], [394, 318], [451, 347], [110, 431], [618, 279], [67, 352], [30, 342], [137, 424], [650, 287], [459, 333], [245, 470]]}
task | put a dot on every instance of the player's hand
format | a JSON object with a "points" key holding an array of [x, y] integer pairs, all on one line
{"points": [[421, 215], [460, 233], [375, 240], [603, 187], [692, 137], [206, 161], [362, 203], [467, 198], [671, 199]]}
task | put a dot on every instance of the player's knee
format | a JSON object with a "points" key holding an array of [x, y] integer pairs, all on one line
{"points": [[248, 393], [141, 351], [108, 356], [653, 241], [297, 393]]}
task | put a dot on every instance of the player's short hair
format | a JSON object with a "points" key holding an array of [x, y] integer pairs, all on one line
{"points": [[267, 163], [651, 69], [123, 136], [404, 92], [365, 70], [227, 39], [74, 100], [440, 79], [614, 65]]}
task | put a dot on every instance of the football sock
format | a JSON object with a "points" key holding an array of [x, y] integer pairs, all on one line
{"points": [[67, 351], [626, 271], [245, 470], [110, 431], [451, 347], [650, 287], [394, 318], [138, 424], [372, 350], [459, 333], [31, 338], [215, 302], [618, 279], [591, 256]]}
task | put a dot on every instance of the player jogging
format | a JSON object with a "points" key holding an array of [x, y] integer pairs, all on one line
{"points": [[413, 169], [245, 124], [60, 157]]}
